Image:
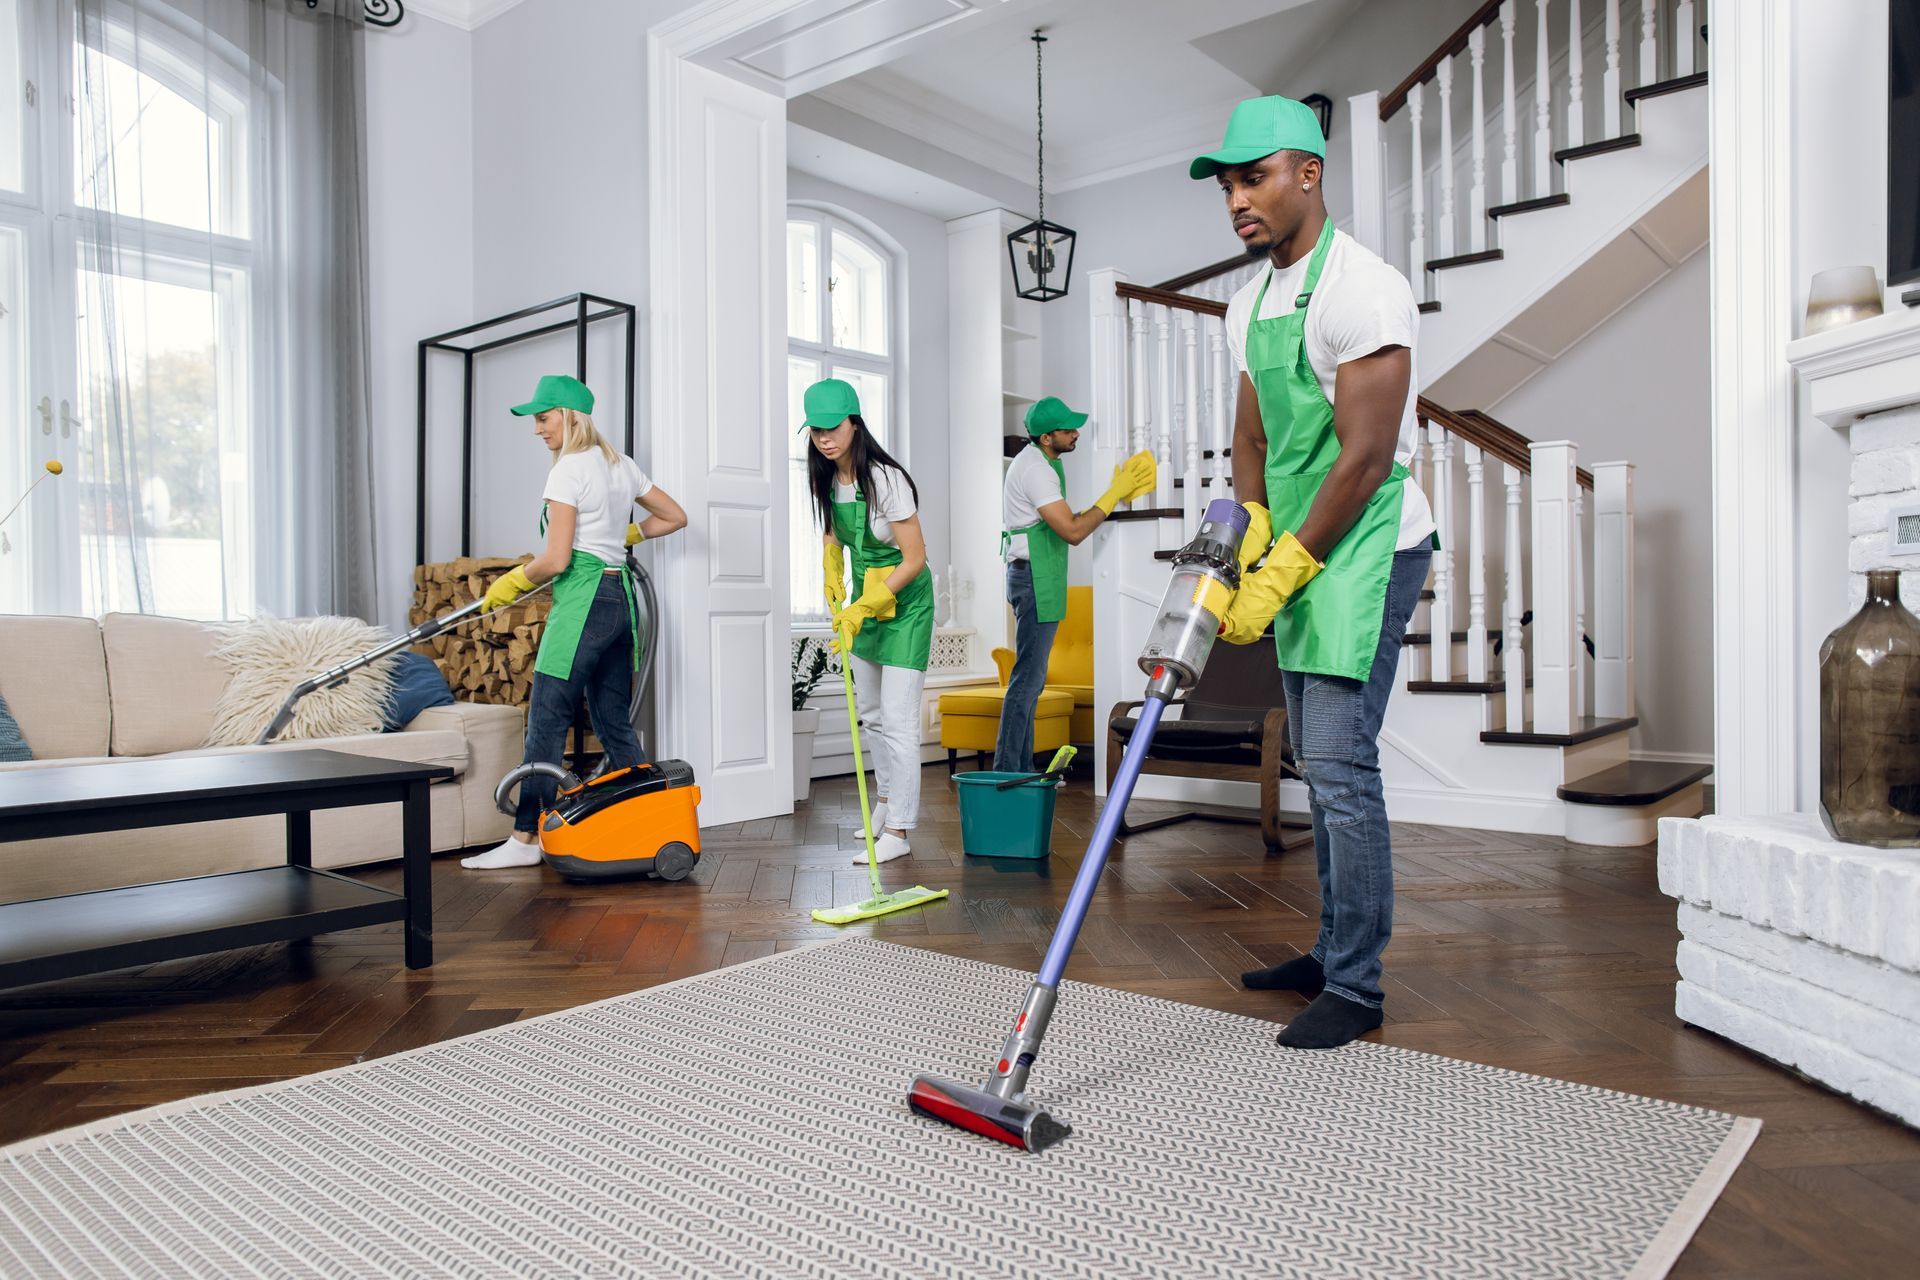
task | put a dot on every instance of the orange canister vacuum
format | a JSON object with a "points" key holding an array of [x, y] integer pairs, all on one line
{"points": [[643, 821]]}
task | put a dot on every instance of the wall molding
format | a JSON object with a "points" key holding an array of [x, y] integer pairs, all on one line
{"points": [[468, 15]]}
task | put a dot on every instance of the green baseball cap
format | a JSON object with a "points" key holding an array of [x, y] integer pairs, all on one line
{"points": [[558, 391], [828, 403], [1258, 128], [1052, 414]]}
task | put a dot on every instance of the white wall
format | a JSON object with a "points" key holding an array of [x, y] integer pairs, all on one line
{"points": [[923, 242], [1636, 389], [420, 255]]}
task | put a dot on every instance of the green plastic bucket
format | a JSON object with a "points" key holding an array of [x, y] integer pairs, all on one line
{"points": [[1015, 823]]}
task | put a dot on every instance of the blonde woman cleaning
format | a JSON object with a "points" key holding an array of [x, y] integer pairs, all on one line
{"points": [[589, 649], [867, 503]]}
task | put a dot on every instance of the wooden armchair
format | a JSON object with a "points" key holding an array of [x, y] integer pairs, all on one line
{"points": [[1233, 726]]}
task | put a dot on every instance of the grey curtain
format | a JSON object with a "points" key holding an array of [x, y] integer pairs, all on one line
{"points": [[223, 332]]}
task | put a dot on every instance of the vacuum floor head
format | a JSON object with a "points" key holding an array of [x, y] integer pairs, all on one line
{"points": [[1015, 1123]]}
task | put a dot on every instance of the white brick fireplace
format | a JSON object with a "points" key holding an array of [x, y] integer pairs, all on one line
{"points": [[1804, 949]]}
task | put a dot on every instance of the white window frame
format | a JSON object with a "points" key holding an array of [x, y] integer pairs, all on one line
{"points": [[831, 221]]}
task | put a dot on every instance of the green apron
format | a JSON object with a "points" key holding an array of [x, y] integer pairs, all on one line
{"points": [[906, 639], [1046, 556], [573, 593], [1332, 627]]}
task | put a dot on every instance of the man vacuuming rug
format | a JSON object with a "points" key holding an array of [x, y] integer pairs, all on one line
{"points": [[1323, 431]]}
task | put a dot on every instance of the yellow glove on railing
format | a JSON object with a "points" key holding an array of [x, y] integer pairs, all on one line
{"points": [[507, 588], [1135, 476], [1259, 537], [634, 536], [1264, 592], [847, 623], [833, 568]]}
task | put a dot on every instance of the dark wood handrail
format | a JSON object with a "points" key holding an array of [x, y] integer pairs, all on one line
{"points": [[1453, 45], [1492, 436], [1204, 274], [1179, 301]]}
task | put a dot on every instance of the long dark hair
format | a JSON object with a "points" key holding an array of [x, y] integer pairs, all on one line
{"points": [[867, 455]]}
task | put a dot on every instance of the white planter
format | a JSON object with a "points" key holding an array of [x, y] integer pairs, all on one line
{"points": [[806, 722]]}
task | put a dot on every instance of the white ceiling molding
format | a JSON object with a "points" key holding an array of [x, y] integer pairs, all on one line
{"points": [[468, 15], [800, 47]]}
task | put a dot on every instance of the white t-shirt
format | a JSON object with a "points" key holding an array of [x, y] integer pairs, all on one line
{"points": [[1030, 486], [891, 500], [1359, 306], [603, 494]]}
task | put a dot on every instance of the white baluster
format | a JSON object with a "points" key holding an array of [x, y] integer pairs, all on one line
{"points": [[1190, 442], [1649, 41], [1576, 78], [1542, 110], [1441, 625], [1509, 116], [1369, 157], [1163, 405], [1139, 372], [1477, 194], [1513, 647], [1219, 368], [1579, 601], [1417, 195], [1423, 611], [1443, 221], [1476, 561], [1109, 349], [1613, 696], [1683, 38], [1554, 644], [1610, 81]]}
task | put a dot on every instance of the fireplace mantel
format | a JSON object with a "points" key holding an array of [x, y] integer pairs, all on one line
{"points": [[1861, 368]]}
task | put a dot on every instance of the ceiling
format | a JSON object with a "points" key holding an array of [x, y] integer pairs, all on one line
{"points": [[972, 93]]}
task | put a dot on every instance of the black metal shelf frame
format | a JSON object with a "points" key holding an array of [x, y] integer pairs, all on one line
{"points": [[581, 304]]}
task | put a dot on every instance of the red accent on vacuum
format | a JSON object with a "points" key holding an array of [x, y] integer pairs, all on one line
{"points": [[925, 1099], [1003, 1066], [1020, 1023]]}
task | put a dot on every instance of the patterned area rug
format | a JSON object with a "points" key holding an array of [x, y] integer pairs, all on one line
{"points": [[752, 1122]]}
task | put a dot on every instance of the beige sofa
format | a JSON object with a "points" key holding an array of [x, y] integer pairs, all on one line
{"points": [[129, 685]]}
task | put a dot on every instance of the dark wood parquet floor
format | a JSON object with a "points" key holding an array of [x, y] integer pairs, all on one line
{"points": [[1518, 951]]}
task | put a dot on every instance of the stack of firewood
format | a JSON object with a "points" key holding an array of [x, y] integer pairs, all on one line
{"points": [[484, 661]]}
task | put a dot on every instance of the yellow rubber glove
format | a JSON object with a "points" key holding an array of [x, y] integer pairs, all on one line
{"points": [[507, 588], [1135, 476], [1259, 537], [1265, 591], [847, 623], [634, 536], [833, 567]]}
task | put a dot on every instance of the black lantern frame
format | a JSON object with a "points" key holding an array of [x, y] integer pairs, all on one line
{"points": [[1322, 106], [1036, 246]]}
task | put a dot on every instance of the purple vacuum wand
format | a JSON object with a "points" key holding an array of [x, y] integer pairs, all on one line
{"points": [[1206, 573]]}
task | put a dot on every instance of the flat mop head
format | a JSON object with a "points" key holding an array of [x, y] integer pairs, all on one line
{"points": [[879, 905], [1015, 1123]]}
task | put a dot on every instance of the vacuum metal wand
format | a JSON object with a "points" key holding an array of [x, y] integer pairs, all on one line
{"points": [[1205, 576]]}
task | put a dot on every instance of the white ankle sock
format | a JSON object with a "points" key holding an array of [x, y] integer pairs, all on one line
{"points": [[879, 818], [886, 847], [508, 853]]}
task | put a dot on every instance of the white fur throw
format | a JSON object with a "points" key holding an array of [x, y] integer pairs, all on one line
{"points": [[269, 656]]}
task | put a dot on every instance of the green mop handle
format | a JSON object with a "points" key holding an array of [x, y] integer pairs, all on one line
{"points": [[860, 773]]}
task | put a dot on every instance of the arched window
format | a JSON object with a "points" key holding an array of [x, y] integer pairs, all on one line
{"points": [[842, 322]]}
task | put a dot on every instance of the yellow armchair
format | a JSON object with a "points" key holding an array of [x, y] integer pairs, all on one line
{"points": [[1070, 668]]}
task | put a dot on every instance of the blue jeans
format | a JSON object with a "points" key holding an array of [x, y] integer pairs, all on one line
{"points": [[1333, 725], [603, 674], [1032, 646]]}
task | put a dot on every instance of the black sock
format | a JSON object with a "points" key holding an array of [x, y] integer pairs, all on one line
{"points": [[1329, 1022], [1302, 974]]}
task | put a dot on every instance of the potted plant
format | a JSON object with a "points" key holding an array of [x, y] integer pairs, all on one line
{"points": [[810, 665]]}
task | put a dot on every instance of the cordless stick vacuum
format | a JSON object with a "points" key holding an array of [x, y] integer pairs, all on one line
{"points": [[1206, 573]]}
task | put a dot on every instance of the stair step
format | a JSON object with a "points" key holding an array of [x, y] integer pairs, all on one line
{"points": [[1529, 206], [1165, 555], [1637, 782], [1427, 594], [1467, 259], [1426, 637], [1677, 85], [1586, 729], [1480, 687], [1621, 143], [1148, 513], [1430, 306]]}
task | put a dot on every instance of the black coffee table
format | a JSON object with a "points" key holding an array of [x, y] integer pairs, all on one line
{"points": [[51, 938]]}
